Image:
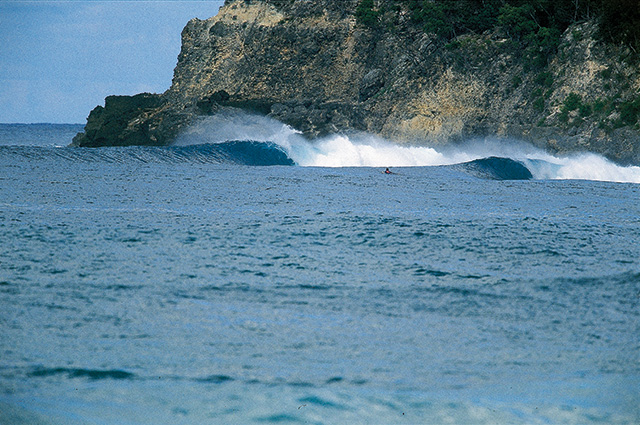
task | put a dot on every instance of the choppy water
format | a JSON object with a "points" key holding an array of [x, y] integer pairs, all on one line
{"points": [[177, 286]]}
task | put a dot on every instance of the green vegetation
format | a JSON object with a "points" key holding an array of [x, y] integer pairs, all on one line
{"points": [[516, 81], [538, 104], [620, 21], [434, 17], [531, 31], [585, 109], [367, 14], [599, 106], [449, 19], [572, 102], [606, 73], [518, 22], [545, 79], [630, 111], [535, 25]]}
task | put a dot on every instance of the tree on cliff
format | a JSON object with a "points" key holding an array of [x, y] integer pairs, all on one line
{"points": [[366, 14], [621, 21]]}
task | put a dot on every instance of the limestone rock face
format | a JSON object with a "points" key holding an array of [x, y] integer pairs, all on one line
{"points": [[310, 65]]}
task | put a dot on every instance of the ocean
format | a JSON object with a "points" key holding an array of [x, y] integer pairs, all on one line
{"points": [[247, 276]]}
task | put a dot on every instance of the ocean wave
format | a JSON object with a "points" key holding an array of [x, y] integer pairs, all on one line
{"points": [[238, 152], [239, 138], [485, 158], [91, 374], [497, 168]]}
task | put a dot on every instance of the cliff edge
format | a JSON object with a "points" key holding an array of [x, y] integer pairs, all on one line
{"points": [[322, 68]]}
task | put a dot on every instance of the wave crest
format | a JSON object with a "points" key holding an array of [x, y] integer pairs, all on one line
{"points": [[237, 137], [357, 150], [238, 152], [497, 168]]}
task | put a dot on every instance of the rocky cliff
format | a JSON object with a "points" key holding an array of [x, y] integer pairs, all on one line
{"points": [[314, 66]]}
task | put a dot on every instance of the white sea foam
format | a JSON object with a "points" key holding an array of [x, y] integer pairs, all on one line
{"points": [[587, 166], [364, 150]]}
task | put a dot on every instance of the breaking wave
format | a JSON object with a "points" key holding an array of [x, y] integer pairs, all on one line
{"points": [[238, 138], [496, 168], [484, 158], [238, 152]]}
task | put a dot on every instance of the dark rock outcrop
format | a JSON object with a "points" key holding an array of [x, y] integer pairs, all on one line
{"points": [[312, 66], [118, 122]]}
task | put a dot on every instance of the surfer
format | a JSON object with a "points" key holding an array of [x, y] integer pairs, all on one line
{"points": [[387, 171]]}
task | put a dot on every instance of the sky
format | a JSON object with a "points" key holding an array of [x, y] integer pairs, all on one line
{"points": [[59, 59]]}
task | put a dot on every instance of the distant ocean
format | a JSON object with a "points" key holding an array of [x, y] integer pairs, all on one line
{"points": [[245, 275]]}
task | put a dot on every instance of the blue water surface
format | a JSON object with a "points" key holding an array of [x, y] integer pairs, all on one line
{"points": [[187, 291]]}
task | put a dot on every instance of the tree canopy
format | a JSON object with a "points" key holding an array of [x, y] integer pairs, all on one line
{"points": [[529, 22]]}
